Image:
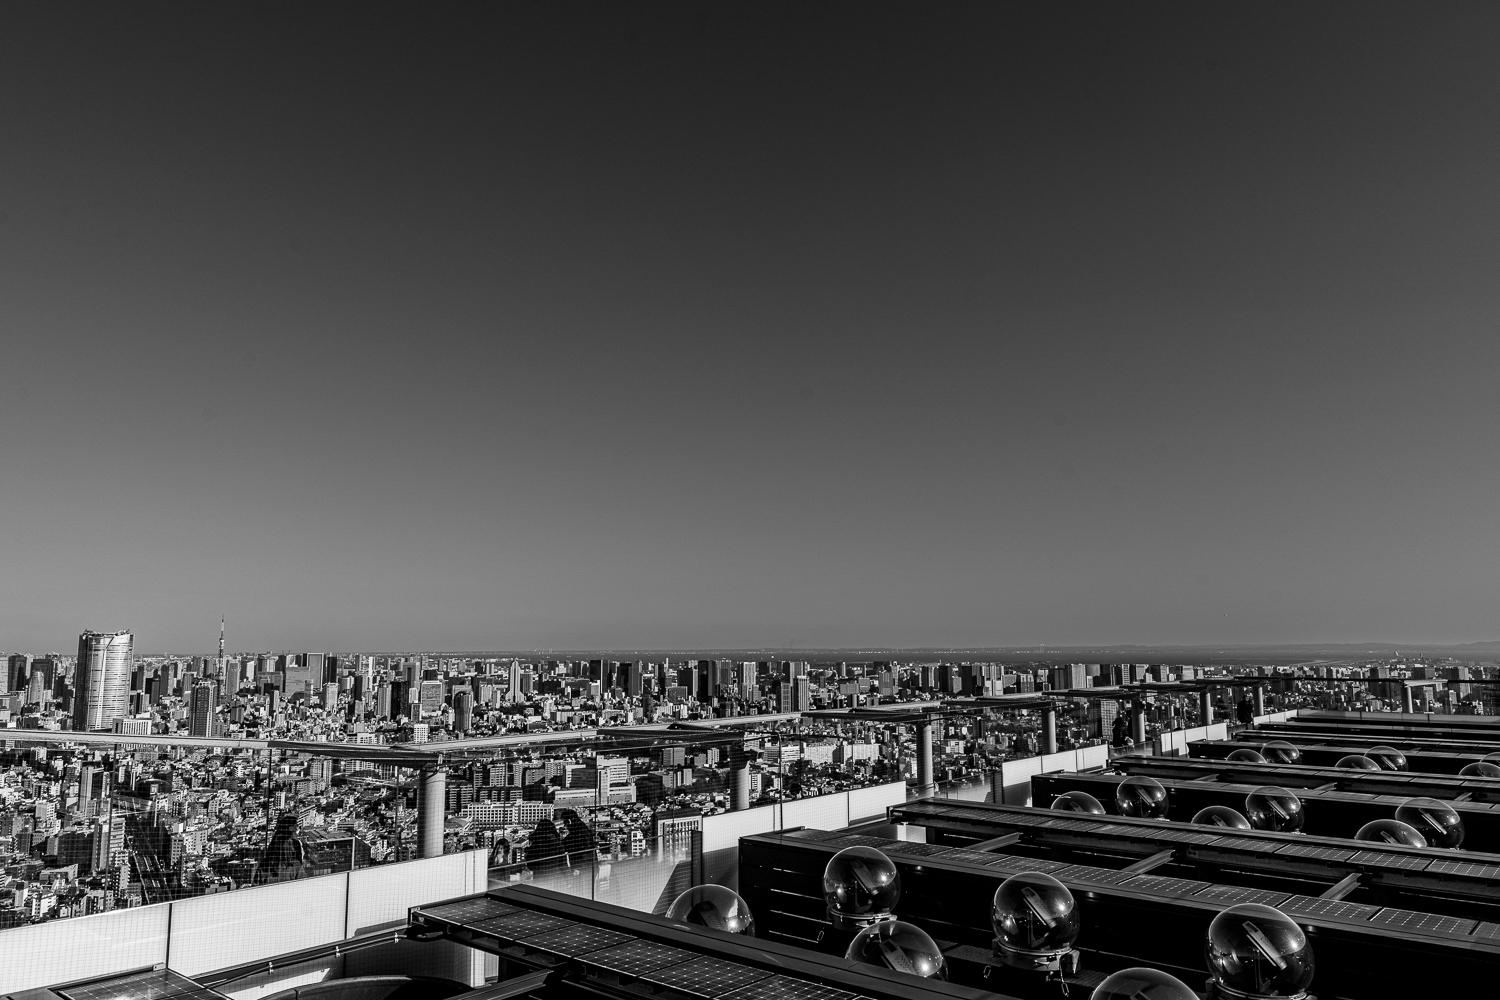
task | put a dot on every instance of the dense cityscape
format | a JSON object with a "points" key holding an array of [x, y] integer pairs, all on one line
{"points": [[87, 827]]}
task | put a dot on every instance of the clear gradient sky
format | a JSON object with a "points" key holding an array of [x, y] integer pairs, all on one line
{"points": [[527, 326]]}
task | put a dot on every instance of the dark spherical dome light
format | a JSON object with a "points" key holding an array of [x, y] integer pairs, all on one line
{"points": [[1389, 758], [1437, 822], [1078, 802], [1281, 752], [1391, 831], [898, 945], [1142, 797], [1258, 951], [1035, 920], [714, 907], [1221, 816], [1273, 808], [1142, 984], [1357, 762], [860, 885]]}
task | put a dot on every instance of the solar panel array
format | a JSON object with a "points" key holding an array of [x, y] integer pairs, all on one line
{"points": [[668, 967], [157, 985]]}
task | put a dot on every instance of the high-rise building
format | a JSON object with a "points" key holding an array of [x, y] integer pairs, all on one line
{"points": [[515, 694], [201, 717], [102, 679], [15, 671], [463, 711]]}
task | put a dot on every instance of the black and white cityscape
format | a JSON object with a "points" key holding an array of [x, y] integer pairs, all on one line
{"points": [[680, 502]]}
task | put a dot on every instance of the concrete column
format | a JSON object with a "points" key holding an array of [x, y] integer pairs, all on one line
{"points": [[740, 786], [1408, 703], [432, 802], [925, 784], [1260, 700], [1138, 721], [1205, 707], [1049, 729]]}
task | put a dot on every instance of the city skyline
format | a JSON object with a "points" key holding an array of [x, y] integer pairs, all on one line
{"points": [[516, 329]]}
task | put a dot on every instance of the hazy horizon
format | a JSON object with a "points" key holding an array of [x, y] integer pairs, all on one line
{"points": [[668, 327]]}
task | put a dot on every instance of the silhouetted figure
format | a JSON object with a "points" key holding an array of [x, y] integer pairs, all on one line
{"points": [[285, 857]]}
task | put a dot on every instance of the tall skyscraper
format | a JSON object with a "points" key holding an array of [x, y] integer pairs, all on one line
{"points": [[515, 694], [15, 671], [201, 718], [102, 679]]}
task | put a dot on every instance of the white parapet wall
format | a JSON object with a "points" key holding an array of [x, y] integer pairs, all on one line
{"points": [[206, 933]]}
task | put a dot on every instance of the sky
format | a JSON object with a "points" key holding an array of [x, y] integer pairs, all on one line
{"points": [[536, 326]]}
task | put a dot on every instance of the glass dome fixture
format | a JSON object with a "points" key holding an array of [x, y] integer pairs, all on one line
{"points": [[1357, 762], [1247, 756], [1258, 951], [1437, 822], [1271, 807], [1141, 797], [1142, 984], [1078, 802], [1391, 831], [1036, 921], [1480, 769], [1389, 758], [714, 907], [1221, 816], [1493, 758], [861, 886], [1281, 752], [898, 945]]}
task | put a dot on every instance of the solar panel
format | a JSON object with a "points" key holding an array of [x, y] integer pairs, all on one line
{"points": [[1184, 836], [810, 834], [1120, 830], [960, 854], [519, 924], [1076, 825], [1487, 931], [1387, 859], [1243, 894], [1311, 906], [1432, 923], [860, 840], [1167, 885], [578, 939], [920, 850], [636, 958], [1088, 873], [1240, 844], [787, 988], [155, 985], [706, 977], [1314, 851], [1015, 862], [469, 911], [1014, 818], [1470, 869]]}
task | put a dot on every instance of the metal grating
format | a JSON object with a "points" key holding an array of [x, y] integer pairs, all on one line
{"points": [[1074, 825], [961, 854], [1185, 836], [1386, 859], [1487, 931], [579, 939], [860, 840], [520, 924], [469, 911], [706, 977], [1167, 885], [1431, 923], [1243, 894], [156, 985], [1310, 906], [787, 988], [920, 850], [1314, 851], [1468, 869], [636, 958]]}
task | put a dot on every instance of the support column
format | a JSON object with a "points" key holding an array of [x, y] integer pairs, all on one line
{"points": [[1049, 729], [1205, 707], [1408, 703], [925, 785], [432, 802], [1138, 721]]}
